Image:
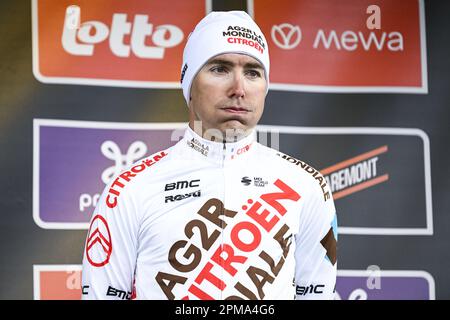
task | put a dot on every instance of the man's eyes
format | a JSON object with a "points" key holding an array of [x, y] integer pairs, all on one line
{"points": [[218, 69], [251, 73]]}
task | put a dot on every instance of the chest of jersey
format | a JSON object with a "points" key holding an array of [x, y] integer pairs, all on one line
{"points": [[223, 232]]}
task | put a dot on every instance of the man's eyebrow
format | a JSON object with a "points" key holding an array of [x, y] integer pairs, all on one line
{"points": [[221, 61], [248, 65], [253, 65]]}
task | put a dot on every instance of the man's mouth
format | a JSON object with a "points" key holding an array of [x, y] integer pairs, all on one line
{"points": [[235, 110]]}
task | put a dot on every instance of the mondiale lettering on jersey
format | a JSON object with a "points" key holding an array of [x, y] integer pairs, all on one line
{"points": [[265, 214], [316, 174]]}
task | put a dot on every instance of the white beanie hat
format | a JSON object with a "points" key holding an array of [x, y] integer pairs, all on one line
{"points": [[218, 33]]}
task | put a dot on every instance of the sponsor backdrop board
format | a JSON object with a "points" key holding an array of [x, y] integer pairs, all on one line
{"points": [[63, 282], [78, 41], [369, 164], [96, 152], [345, 46], [359, 91]]}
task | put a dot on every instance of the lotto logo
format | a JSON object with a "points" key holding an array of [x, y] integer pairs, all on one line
{"points": [[94, 32], [111, 42]]}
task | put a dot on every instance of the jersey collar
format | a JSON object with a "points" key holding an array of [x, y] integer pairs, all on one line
{"points": [[219, 151]]}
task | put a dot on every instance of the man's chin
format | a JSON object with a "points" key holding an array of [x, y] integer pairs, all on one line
{"points": [[233, 124], [234, 130]]}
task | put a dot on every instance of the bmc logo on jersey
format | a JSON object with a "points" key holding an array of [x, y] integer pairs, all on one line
{"points": [[112, 42]]}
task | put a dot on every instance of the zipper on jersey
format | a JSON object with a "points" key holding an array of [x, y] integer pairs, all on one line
{"points": [[224, 152]]}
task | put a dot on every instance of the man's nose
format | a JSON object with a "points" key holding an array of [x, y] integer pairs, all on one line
{"points": [[237, 87]]}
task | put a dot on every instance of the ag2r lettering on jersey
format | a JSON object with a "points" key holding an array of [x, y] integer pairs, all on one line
{"points": [[261, 217]]}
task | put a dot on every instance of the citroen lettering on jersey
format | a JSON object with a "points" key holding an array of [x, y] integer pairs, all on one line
{"points": [[258, 226], [125, 177]]}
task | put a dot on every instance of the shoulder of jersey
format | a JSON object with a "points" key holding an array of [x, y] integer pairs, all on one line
{"points": [[144, 168], [295, 166], [286, 161], [129, 180]]}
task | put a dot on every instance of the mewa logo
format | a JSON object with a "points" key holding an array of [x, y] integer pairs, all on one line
{"points": [[371, 47], [79, 38], [286, 36]]}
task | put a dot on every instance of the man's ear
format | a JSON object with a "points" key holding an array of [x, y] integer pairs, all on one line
{"points": [[189, 104]]}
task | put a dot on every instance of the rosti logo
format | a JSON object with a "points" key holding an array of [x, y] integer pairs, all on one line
{"points": [[131, 43], [355, 174], [98, 244], [93, 32], [349, 45]]}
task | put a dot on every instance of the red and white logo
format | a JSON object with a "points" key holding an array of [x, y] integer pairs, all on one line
{"points": [[345, 46], [82, 41], [98, 244], [111, 42]]}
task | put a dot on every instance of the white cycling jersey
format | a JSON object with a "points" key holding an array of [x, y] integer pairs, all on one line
{"points": [[209, 220]]}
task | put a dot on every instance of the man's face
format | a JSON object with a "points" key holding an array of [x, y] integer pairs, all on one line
{"points": [[228, 95]]}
